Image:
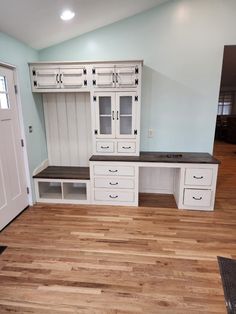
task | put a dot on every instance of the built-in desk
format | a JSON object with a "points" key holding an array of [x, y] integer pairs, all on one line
{"points": [[115, 179]]}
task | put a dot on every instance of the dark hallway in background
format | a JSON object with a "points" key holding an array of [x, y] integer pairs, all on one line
{"points": [[226, 117]]}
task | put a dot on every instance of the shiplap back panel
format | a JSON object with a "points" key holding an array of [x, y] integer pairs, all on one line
{"points": [[68, 128], [156, 180]]}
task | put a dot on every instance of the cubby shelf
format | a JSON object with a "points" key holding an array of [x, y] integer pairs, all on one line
{"points": [[63, 185]]}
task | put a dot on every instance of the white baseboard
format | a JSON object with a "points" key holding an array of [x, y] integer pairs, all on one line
{"points": [[41, 167]]}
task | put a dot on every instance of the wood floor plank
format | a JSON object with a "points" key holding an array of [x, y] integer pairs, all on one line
{"points": [[121, 260]]}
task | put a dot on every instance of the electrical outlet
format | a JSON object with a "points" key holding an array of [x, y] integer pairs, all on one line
{"points": [[150, 133]]}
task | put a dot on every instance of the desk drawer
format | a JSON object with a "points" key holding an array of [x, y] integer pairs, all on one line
{"points": [[105, 147], [198, 198], [198, 176], [111, 170], [114, 183], [126, 147], [114, 196]]}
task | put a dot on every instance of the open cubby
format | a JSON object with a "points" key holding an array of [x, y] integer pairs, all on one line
{"points": [[50, 190], [59, 184], [74, 191]]}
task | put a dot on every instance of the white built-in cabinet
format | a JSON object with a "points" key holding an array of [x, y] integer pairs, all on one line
{"points": [[93, 108], [116, 76], [54, 77], [116, 125]]}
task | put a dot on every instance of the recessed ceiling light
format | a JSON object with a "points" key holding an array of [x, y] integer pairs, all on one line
{"points": [[67, 15]]}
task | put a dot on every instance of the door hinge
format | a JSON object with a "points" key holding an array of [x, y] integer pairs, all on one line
{"points": [[136, 98], [95, 131], [27, 190], [135, 132], [16, 89], [22, 143]]}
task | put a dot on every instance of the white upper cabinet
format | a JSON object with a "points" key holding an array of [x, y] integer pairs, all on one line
{"points": [[126, 107], [103, 76], [104, 105], [49, 78], [88, 76], [45, 78], [116, 76], [115, 115], [73, 78], [127, 76]]}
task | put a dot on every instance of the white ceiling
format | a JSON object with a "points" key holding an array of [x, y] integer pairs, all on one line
{"points": [[38, 24]]}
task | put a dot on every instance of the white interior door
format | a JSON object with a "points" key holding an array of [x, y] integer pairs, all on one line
{"points": [[13, 191]]}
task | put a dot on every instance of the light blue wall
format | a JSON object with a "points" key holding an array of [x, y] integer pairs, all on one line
{"points": [[181, 43], [18, 54]]}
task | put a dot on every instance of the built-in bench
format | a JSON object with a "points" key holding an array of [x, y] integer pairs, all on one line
{"points": [[58, 184]]}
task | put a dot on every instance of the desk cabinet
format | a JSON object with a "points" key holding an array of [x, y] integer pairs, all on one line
{"points": [[118, 182]]}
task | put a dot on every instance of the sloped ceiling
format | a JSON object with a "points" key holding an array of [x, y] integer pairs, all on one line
{"points": [[37, 22]]}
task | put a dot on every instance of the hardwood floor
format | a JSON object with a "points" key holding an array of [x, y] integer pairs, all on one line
{"points": [[119, 260]]}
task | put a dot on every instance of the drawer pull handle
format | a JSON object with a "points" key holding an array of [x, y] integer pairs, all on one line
{"points": [[126, 147], [112, 170], [197, 198], [111, 196], [195, 177], [113, 183], [104, 147]]}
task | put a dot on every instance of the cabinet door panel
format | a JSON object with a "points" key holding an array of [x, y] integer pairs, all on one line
{"points": [[103, 77], [126, 76], [72, 78], [46, 78], [105, 115], [125, 115]]}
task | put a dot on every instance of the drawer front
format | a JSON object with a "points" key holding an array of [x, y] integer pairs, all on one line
{"points": [[114, 183], [105, 147], [114, 196], [114, 170], [198, 176], [126, 147], [198, 198]]}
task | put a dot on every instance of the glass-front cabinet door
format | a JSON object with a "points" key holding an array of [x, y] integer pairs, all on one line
{"points": [[105, 115], [125, 115]]}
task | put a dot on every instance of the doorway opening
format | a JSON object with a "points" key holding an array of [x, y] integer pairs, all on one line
{"points": [[225, 133]]}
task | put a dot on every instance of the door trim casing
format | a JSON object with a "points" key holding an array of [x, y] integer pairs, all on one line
{"points": [[22, 129]]}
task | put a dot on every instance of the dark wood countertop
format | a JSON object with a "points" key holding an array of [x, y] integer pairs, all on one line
{"points": [[170, 157], [60, 172]]}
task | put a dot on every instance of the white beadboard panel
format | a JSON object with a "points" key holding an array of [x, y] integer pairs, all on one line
{"points": [[68, 128], [156, 180]]}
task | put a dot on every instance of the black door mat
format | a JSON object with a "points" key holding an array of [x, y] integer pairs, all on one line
{"points": [[2, 249], [228, 276]]}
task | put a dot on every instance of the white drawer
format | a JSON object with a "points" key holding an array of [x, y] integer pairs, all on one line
{"points": [[114, 196], [126, 147], [105, 147], [111, 170], [198, 176], [114, 183], [198, 198]]}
